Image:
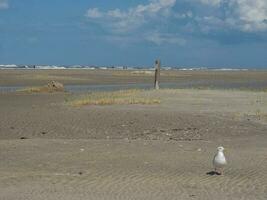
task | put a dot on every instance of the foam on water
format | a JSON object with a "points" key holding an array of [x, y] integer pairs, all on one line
{"points": [[13, 66]]}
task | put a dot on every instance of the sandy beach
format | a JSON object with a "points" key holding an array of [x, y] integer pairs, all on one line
{"points": [[52, 150]]}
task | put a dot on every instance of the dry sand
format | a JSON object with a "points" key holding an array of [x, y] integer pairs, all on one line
{"points": [[49, 150]]}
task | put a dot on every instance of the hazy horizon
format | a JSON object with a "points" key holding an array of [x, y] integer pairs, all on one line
{"points": [[84, 66]]}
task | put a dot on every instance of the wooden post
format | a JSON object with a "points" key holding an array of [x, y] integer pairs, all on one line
{"points": [[157, 74]]}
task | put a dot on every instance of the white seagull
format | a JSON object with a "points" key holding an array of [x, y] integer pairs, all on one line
{"points": [[219, 161]]}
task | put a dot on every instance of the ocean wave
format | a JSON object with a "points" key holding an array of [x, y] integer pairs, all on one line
{"points": [[13, 66], [48, 67], [191, 69], [229, 69], [8, 66]]}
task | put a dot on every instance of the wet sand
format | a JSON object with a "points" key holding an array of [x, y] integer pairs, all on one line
{"points": [[169, 78], [50, 150]]}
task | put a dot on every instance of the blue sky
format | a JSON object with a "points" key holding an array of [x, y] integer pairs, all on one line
{"points": [[212, 33]]}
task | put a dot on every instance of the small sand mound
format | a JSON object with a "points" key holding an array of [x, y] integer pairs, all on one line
{"points": [[52, 86], [55, 86]]}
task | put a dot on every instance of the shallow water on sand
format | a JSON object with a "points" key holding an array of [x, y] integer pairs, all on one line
{"points": [[214, 84]]}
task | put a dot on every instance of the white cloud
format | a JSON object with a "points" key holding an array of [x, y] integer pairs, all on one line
{"points": [[187, 14], [124, 21], [116, 13], [4, 4], [142, 20], [209, 24], [251, 14], [93, 13], [159, 38], [245, 15]]}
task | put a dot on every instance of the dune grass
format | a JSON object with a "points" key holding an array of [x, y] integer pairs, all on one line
{"points": [[34, 89], [121, 97], [41, 89]]}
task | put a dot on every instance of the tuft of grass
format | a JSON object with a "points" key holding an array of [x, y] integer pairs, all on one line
{"points": [[32, 89], [258, 114], [43, 89], [121, 97]]}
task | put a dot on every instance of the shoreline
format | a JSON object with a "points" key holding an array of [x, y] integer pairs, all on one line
{"points": [[176, 79]]}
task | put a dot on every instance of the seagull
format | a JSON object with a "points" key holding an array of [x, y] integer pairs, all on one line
{"points": [[219, 161]]}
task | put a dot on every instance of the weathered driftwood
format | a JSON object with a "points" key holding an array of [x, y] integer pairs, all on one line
{"points": [[157, 74]]}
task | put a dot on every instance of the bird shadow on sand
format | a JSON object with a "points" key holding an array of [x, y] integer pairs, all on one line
{"points": [[213, 173]]}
